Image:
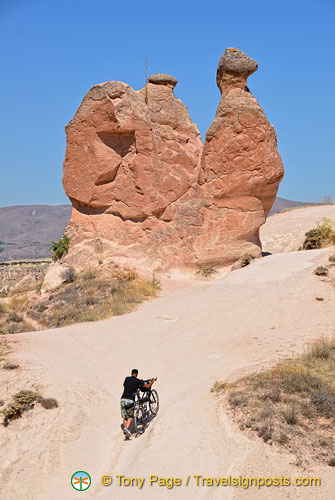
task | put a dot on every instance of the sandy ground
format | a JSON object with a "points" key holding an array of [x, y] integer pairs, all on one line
{"points": [[189, 338], [285, 231]]}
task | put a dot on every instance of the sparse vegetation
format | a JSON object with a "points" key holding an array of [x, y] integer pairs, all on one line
{"points": [[25, 400], [10, 366], [15, 317], [95, 294], [89, 274], [322, 236], [60, 247], [327, 200], [292, 404], [290, 414], [321, 349], [238, 399], [246, 259], [205, 270], [155, 282], [321, 271], [12, 316], [218, 386], [48, 403], [91, 295], [18, 278]]}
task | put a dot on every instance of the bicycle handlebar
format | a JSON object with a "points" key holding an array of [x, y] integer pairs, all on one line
{"points": [[148, 381]]}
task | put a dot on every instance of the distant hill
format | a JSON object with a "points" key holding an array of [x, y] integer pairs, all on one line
{"points": [[27, 230], [281, 204]]}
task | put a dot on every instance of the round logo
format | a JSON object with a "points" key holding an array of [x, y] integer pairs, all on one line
{"points": [[81, 480]]}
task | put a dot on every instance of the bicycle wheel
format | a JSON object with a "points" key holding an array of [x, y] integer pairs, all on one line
{"points": [[154, 402], [138, 420]]}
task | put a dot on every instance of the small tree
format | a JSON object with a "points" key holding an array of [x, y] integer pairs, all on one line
{"points": [[60, 248]]}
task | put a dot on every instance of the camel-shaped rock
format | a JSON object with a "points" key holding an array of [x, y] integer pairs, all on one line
{"points": [[146, 191]]}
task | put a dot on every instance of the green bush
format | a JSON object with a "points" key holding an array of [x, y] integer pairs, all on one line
{"points": [[60, 248]]}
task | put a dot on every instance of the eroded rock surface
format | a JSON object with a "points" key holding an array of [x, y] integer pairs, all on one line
{"points": [[146, 191]]}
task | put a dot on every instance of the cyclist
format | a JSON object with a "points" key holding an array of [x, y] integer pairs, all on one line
{"points": [[127, 401]]}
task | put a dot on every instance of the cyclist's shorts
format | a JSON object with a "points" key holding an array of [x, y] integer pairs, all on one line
{"points": [[126, 412]]}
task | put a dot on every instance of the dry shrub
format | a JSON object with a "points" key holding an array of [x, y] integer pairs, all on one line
{"points": [[10, 366], [22, 401], [321, 236], [205, 270], [48, 403], [93, 295], [218, 387], [25, 400], [321, 271], [238, 399], [16, 304], [247, 259], [322, 348], [14, 316], [290, 415], [88, 274], [292, 404]]}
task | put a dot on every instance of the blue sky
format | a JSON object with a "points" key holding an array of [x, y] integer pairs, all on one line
{"points": [[54, 52]]}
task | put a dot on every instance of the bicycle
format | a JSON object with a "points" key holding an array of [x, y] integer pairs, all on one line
{"points": [[145, 408]]}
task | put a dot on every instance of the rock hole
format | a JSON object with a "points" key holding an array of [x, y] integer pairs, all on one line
{"points": [[122, 142]]}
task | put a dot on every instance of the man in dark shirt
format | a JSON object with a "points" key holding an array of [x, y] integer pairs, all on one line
{"points": [[131, 384]]}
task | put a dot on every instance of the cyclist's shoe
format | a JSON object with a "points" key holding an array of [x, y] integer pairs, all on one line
{"points": [[126, 432]]}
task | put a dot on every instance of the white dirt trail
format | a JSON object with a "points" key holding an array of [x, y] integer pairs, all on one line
{"points": [[189, 338]]}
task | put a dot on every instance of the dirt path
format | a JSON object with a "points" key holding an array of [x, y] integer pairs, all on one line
{"points": [[189, 339]]}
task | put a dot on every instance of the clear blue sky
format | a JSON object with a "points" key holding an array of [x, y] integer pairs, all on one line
{"points": [[53, 52]]}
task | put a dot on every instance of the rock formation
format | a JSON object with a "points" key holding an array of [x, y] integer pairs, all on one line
{"points": [[146, 191]]}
